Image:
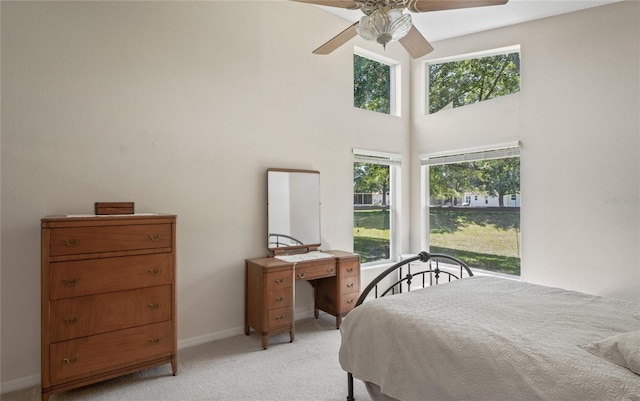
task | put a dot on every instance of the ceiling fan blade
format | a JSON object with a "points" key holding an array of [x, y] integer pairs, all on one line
{"points": [[421, 6], [350, 5], [415, 43], [338, 40]]}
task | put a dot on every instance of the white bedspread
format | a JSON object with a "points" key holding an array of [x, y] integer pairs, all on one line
{"points": [[484, 338]]}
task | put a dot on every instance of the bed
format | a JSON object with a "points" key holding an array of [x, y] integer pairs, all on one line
{"points": [[487, 338]]}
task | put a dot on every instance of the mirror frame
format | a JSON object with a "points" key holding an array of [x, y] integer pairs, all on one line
{"points": [[294, 248]]}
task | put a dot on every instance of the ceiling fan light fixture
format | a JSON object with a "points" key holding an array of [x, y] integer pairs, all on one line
{"points": [[384, 25]]}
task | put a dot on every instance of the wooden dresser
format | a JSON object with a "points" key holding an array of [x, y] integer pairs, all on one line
{"points": [[270, 289], [108, 297]]}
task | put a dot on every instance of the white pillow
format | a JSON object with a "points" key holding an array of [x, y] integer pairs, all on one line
{"points": [[622, 349]]}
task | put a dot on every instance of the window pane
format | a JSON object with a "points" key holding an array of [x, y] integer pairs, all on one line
{"points": [[474, 213], [459, 83], [371, 211], [371, 85]]}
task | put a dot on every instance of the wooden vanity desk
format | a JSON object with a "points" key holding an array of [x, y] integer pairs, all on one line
{"points": [[270, 289]]}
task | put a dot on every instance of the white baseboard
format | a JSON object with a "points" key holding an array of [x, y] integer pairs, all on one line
{"points": [[210, 337], [30, 381], [20, 384]]}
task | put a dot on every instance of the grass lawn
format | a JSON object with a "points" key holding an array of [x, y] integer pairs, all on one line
{"points": [[488, 240], [371, 234], [484, 239]]}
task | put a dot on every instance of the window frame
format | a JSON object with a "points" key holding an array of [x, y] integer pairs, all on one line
{"points": [[394, 161], [394, 79]]}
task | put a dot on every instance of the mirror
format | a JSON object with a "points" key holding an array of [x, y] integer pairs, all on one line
{"points": [[293, 209]]}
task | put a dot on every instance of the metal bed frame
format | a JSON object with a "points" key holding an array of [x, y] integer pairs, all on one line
{"points": [[430, 276]]}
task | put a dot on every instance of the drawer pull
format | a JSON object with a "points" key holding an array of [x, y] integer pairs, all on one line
{"points": [[302, 275], [279, 317], [350, 285], [154, 237], [154, 306], [280, 299], [329, 270], [71, 283], [71, 361], [280, 281], [72, 242], [349, 269], [154, 340], [72, 320], [155, 272], [350, 301]]}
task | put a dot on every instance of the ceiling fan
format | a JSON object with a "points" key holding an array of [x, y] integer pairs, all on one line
{"points": [[385, 21]]}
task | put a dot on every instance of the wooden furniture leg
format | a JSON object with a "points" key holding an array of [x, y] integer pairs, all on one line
{"points": [[174, 365]]}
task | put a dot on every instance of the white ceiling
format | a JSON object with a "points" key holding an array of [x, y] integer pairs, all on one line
{"points": [[440, 25]]}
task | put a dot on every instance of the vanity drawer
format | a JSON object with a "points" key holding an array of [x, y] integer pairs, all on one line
{"points": [[280, 317], [317, 271], [350, 269], [93, 355], [348, 301], [82, 240], [85, 277], [349, 285], [280, 297], [281, 279], [94, 314]]}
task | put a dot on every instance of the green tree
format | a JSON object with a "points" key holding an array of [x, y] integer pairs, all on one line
{"points": [[371, 85], [463, 82], [370, 178], [450, 181], [499, 177]]}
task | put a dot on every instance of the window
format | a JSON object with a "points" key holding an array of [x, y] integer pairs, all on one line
{"points": [[375, 175], [472, 78], [375, 82], [484, 233], [362, 199]]}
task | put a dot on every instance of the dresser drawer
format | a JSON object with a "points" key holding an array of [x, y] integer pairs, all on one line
{"points": [[85, 277], [82, 240], [281, 279], [280, 297], [92, 355], [349, 285], [280, 317], [94, 314], [313, 272]]}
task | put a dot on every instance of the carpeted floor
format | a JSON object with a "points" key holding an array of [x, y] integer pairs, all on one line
{"points": [[236, 368]]}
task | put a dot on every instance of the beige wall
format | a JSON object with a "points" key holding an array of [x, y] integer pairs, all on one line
{"points": [[577, 118], [180, 107]]}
